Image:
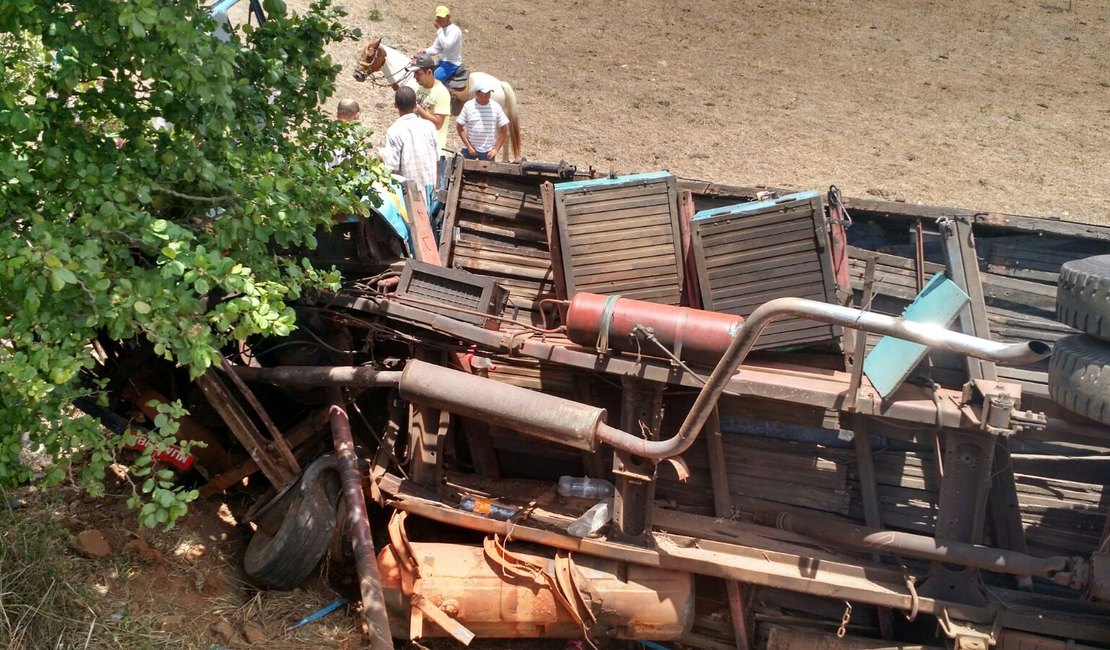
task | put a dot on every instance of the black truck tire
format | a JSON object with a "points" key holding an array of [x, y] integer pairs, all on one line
{"points": [[286, 558], [1079, 376], [1083, 295]]}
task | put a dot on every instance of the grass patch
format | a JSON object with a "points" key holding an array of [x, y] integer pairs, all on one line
{"points": [[43, 598], [47, 592]]}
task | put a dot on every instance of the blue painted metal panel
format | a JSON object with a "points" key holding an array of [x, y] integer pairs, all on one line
{"points": [[598, 183], [892, 360], [222, 7], [756, 206]]}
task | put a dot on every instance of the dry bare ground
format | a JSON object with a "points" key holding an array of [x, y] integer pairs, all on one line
{"points": [[998, 105]]}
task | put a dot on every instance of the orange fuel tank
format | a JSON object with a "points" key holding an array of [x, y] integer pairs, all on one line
{"points": [[629, 601], [693, 335]]}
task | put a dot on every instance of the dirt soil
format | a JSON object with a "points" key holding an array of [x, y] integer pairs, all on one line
{"points": [[998, 105], [995, 105]]}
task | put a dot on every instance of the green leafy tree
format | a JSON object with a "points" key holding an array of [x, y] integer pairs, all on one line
{"points": [[149, 175]]}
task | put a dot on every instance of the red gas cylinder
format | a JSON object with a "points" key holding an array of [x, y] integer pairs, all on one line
{"points": [[692, 335]]}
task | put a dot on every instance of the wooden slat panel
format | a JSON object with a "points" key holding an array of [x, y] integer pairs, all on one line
{"points": [[739, 259], [811, 269], [743, 296], [714, 234], [756, 268], [498, 270], [605, 227], [500, 225], [736, 305], [605, 236], [746, 259], [634, 249], [522, 234], [803, 275], [535, 375], [647, 294], [493, 250], [494, 209], [627, 282], [601, 207], [649, 265], [757, 222], [605, 193], [621, 238]]}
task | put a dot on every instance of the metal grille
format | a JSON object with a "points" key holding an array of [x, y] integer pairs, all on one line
{"points": [[449, 288]]}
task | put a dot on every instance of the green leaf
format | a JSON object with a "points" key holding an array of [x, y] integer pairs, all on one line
{"points": [[60, 277], [141, 307], [274, 7]]}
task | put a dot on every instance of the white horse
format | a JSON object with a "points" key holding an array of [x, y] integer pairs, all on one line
{"points": [[377, 57]]}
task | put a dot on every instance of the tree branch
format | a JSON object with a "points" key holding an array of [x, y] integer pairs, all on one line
{"points": [[215, 200]]}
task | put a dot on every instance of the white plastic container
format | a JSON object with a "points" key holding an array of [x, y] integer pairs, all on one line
{"points": [[585, 488]]}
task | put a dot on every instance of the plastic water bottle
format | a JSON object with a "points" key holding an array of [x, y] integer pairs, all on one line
{"points": [[488, 508], [586, 488], [592, 520]]}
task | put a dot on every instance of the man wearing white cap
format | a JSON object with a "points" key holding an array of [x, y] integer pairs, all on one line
{"points": [[448, 45], [482, 125]]}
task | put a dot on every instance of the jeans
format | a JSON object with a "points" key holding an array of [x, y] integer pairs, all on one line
{"points": [[474, 155], [445, 70]]}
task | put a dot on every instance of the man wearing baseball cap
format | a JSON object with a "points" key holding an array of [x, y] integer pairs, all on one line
{"points": [[482, 125], [448, 45], [433, 102]]}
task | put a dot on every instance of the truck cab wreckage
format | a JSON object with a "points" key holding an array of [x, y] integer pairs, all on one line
{"points": [[813, 440]]}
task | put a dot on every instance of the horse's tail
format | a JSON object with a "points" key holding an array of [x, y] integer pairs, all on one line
{"points": [[514, 120]]}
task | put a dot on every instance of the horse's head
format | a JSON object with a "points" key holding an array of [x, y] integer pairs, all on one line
{"points": [[370, 60]]}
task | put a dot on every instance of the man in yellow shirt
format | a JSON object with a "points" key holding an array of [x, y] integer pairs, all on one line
{"points": [[433, 101]]}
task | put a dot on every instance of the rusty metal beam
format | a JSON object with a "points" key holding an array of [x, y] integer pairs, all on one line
{"points": [[869, 490], [370, 582], [641, 406], [260, 449], [275, 434], [312, 376], [1064, 570], [722, 507], [299, 434]]}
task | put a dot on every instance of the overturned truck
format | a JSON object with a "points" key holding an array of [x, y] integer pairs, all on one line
{"points": [[791, 420]]}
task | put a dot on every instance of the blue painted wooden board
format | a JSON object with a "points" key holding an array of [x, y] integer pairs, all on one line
{"points": [[754, 207], [599, 183], [892, 360]]}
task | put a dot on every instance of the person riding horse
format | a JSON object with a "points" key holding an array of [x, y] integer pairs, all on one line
{"points": [[448, 45], [394, 69]]}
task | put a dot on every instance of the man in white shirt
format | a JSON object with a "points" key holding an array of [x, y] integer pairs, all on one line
{"points": [[482, 125], [448, 45], [411, 149]]}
